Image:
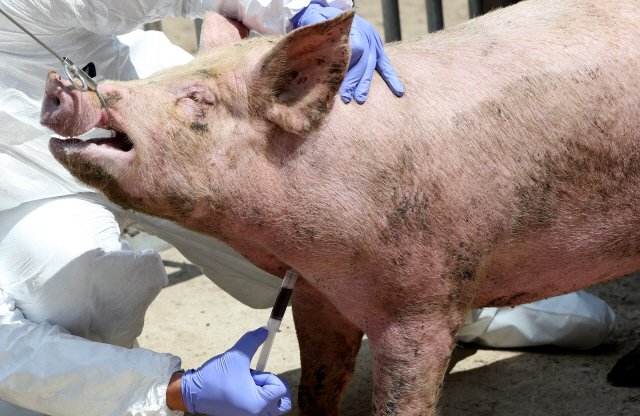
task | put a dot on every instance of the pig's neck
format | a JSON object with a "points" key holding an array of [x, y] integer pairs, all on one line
{"points": [[297, 204], [294, 201]]}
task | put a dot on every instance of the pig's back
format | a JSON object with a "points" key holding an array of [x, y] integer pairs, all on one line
{"points": [[525, 125]]}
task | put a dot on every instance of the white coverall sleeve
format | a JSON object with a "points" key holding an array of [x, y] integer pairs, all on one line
{"points": [[64, 270], [267, 17], [47, 369]]}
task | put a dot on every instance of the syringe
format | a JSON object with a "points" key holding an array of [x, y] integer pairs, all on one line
{"points": [[273, 325]]}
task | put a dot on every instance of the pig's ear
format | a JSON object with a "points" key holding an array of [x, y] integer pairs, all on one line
{"points": [[218, 30], [300, 76]]}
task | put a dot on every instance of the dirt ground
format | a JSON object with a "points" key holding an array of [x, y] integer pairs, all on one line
{"points": [[194, 319]]}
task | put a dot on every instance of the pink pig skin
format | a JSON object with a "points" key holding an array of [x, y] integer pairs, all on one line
{"points": [[509, 172]]}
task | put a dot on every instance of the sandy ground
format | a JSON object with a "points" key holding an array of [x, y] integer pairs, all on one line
{"points": [[194, 319]]}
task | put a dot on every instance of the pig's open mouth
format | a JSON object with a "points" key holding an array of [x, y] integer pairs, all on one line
{"points": [[118, 140], [115, 150]]}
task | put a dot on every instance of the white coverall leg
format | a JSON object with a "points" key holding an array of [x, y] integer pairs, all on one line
{"points": [[81, 287]]}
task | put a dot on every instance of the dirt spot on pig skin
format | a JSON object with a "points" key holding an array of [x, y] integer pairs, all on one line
{"points": [[306, 396], [111, 97], [535, 207], [321, 107], [333, 83], [507, 300], [181, 205], [336, 68], [320, 376], [206, 74], [87, 171], [95, 176], [553, 181], [199, 128], [401, 260], [401, 386], [306, 233]]}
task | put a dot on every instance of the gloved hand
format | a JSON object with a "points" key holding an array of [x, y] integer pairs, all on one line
{"points": [[367, 53], [225, 385]]}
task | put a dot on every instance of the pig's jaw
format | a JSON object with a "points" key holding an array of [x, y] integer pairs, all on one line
{"points": [[94, 160]]}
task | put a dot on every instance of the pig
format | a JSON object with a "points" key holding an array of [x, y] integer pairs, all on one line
{"points": [[509, 172]]}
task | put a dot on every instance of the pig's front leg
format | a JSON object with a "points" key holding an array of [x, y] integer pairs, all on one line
{"points": [[329, 344], [411, 348]]}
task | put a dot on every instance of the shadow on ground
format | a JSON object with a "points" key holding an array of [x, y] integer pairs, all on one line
{"points": [[548, 381], [518, 382], [540, 381], [185, 272]]}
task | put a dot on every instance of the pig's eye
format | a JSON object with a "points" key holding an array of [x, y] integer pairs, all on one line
{"points": [[194, 105], [196, 97]]}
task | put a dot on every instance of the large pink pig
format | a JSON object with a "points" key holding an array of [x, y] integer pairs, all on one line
{"points": [[509, 172]]}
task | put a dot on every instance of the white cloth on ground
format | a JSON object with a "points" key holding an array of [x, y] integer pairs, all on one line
{"points": [[576, 320]]}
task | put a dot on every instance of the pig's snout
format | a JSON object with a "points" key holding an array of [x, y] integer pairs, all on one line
{"points": [[66, 110], [54, 101]]}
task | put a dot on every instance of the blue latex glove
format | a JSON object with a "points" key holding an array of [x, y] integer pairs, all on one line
{"points": [[367, 53], [225, 385]]}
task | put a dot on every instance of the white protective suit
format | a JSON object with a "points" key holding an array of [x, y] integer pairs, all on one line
{"points": [[72, 293]]}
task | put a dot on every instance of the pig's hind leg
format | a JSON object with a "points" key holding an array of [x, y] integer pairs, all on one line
{"points": [[329, 344]]}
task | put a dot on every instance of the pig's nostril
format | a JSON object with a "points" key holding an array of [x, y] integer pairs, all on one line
{"points": [[52, 101], [51, 111]]}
